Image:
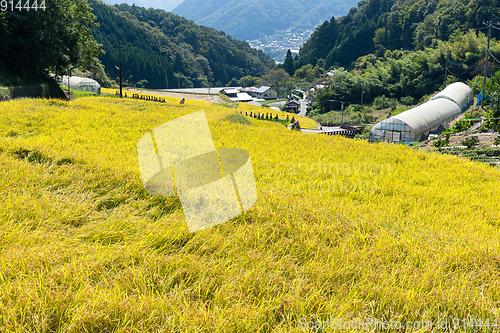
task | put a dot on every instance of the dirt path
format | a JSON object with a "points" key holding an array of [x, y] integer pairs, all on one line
{"points": [[485, 140]]}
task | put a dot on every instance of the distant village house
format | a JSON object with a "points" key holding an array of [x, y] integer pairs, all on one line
{"points": [[236, 95], [239, 94], [292, 106], [249, 90], [266, 92]]}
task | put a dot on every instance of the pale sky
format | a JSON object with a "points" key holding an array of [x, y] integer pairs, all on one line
{"points": [[167, 5]]}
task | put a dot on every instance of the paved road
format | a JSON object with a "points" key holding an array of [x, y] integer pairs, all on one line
{"points": [[303, 107], [212, 90], [323, 130], [200, 97]]}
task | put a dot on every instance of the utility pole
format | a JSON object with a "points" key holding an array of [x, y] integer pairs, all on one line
{"points": [[487, 53], [446, 68], [486, 59], [342, 107], [362, 91], [120, 51], [331, 103], [69, 82]]}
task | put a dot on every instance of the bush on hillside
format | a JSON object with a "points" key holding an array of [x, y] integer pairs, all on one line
{"points": [[471, 142], [383, 102], [407, 100]]}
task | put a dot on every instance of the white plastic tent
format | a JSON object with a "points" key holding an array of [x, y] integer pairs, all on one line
{"points": [[81, 83], [457, 92], [431, 117]]}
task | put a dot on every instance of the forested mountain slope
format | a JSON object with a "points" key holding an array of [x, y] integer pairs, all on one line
{"points": [[163, 50], [247, 19], [377, 25]]}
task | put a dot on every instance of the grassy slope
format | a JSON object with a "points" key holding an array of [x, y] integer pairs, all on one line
{"points": [[341, 229]]}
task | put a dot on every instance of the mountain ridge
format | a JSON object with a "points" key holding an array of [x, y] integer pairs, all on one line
{"points": [[156, 4], [250, 18]]}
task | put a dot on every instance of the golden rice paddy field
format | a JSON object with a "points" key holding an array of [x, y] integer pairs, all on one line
{"points": [[342, 229], [243, 108]]}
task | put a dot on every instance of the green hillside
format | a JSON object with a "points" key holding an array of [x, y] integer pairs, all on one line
{"points": [[163, 50], [377, 25], [399, 74]]}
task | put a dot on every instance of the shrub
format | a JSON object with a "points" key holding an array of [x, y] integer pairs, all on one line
{"points": [[353, 108], [408, 100], [476, 84], [439, 143], [471, 142], [424, 98], [483, 129], [383, 102], [312, 112], [449, 131]]}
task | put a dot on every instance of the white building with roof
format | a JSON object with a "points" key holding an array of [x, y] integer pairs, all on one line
{"points": [[266, 92], [236, 96], [249, 90]]}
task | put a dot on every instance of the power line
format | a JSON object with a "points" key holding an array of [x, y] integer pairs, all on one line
{"points": [[467, 71], [460, 63], [491, 54], [446, 68]]}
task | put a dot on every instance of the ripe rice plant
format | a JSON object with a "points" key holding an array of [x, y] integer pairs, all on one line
{"points": [[341, 229]]}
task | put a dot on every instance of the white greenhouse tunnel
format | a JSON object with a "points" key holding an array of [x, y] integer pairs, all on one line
{"points": [[81, 83], [432, 117]]}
